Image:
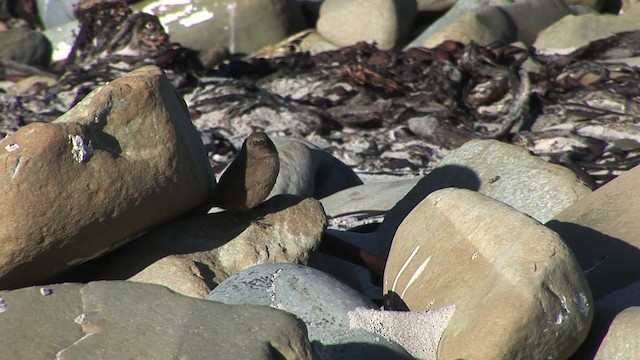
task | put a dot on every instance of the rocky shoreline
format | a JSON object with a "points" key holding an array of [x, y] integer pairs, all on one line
{"points": [[447, 199]]}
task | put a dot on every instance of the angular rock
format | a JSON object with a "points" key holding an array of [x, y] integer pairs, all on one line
{"points": [[319, 300], [306, 170], [124, 320], [123, 160], [517, 289], [385, 22], [240, 26], [622, 341], [192, 256], [504, 172], [602, 231]]}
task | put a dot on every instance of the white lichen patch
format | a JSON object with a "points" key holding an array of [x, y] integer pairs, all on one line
{"points": [[81, 148], [81, 319], [45, 291], [12, 147]]}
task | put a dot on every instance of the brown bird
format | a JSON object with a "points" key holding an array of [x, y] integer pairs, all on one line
{"points": [[251, 176]]}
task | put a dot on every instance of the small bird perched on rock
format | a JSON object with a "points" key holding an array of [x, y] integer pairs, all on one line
{"points": [[251, 176]]}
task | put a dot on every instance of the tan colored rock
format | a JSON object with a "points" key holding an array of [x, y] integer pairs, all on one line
{"points": [[517, 290], [573, 32], [622, 340], [385, 22], [124, 320], [123, 160], [520, 21], [603, 231], [192, 256]]}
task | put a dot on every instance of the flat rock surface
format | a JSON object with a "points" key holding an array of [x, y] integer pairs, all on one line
{"points": [[373, 196], [124, 320]]}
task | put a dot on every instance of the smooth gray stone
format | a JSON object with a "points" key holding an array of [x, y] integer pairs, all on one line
{"points": [[380, 196], [321, 301], [307, 170]]}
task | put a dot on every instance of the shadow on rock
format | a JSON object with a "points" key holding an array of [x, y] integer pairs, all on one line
{"points": [[608, 262], [440, 178], [393, 301], [356, 351]]}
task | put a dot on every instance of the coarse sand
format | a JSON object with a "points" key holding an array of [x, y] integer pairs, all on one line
{"points": [[419, 332]]}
